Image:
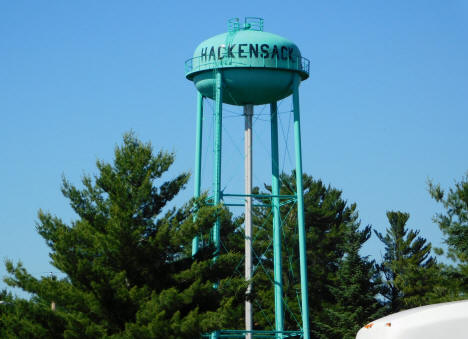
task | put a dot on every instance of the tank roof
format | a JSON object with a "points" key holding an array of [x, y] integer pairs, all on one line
{"points": [[247, 46]]}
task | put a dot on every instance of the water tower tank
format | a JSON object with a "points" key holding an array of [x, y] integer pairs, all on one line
{"points": [[258, 67]]}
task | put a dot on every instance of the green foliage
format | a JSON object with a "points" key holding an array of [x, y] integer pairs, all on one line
{"points": [[454, 225], [342, 284], [454, 222], [409, 271], [23, 319], [355, 290], [129, 271]]}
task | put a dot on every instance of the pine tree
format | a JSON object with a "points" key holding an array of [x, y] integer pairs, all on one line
{"points": [[357, 286], [408, 268], [333, 243], [127, 259], [454, 225]]}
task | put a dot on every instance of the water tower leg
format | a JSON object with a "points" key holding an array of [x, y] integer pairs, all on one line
{"points": [[300, 212], [275, 191], [217, 158], [248, 112], [198, 159]]}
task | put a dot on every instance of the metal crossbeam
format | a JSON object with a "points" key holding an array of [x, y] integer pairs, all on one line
{"points": [[254, 334]]}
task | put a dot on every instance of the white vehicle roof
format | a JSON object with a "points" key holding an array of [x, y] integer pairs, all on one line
{"points": [[438, 321]]}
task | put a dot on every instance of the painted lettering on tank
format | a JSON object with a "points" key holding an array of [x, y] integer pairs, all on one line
{"points": [[264, 51], [212, 53], [290, 54], [242, 51], [253, 50], [283, 54], [275, 53], [264, 48], [230, 48], [219, 52], [203, 53]]}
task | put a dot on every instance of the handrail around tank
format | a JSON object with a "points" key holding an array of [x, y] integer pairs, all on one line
{"points": [[196, 64], [253, 23], [233, 25], [250, 23]]}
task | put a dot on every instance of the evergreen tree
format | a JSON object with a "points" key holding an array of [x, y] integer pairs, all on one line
{"points": [[21, 318], [129, 271], [454, 225], [408, 268], [18, 318], [355, 291], [336, 271]]}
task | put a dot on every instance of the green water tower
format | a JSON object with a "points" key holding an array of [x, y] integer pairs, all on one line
{"points": [[246, 67]]}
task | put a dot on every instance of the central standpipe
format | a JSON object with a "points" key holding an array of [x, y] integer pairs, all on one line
{"points": [[248, 112]]}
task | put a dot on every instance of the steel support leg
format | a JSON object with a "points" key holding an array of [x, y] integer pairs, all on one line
{"points": [[300, 212], [217, 158], [198, 159], [275, 191]]}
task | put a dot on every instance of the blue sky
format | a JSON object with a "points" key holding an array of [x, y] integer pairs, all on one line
{"points": [[385, 107]]}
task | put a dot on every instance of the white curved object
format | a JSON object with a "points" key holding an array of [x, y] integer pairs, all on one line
{"points": [[438, 321]]}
